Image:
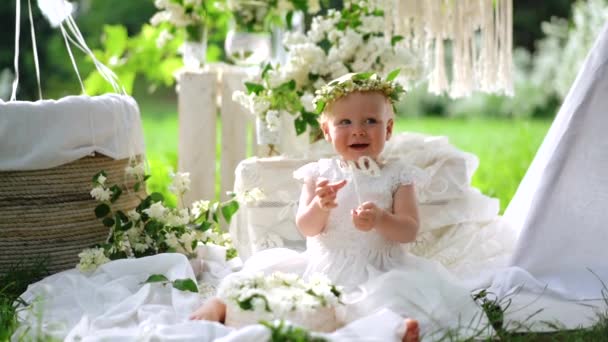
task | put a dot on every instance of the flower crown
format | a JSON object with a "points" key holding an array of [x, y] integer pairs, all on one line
{"points": [[362, 81]]}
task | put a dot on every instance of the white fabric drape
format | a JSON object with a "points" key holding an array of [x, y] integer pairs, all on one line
{"points": [[48, 133], [560, 209]]}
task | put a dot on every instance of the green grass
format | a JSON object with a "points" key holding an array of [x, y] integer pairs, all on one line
{"points": [[504, 147]]}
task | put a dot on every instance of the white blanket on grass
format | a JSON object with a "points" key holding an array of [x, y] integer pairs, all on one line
{"points": [[114, 304]]}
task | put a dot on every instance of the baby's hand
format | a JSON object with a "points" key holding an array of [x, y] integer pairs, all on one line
{"points": [[325, 193], [366, 216]]}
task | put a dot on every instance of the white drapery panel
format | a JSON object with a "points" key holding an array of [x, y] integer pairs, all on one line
{"points": [[560, 209]]}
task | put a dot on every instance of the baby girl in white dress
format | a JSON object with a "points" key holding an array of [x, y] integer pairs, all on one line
{"points": [[358, 212]]}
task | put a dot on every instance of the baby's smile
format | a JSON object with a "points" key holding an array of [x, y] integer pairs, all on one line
{"points": [[359, 146]]}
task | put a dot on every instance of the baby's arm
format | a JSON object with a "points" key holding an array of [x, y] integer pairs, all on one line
{"points": [[317, 199], [401, 225]]}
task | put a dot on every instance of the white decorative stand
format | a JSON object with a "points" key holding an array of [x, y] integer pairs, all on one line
{"points": [[201, 94]]}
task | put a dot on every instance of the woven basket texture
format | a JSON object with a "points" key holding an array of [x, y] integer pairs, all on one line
{"points": [[49, 214]]}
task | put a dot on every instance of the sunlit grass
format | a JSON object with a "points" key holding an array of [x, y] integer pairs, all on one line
{"points": [[504, 147]]}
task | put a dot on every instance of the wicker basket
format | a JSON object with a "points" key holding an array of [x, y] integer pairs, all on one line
{"points": [[50, 213]]}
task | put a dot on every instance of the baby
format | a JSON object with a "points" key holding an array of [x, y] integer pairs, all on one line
{"points": [[356, 210]]}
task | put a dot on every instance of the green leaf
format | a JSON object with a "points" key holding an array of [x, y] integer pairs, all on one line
{"points": [[185, 285], [123, 217], [115, 40], [127, 226], [157, 197], [156, 278], [266, 69], [362, 76], [300, 125], [320, 106], [254, 88], [204, 226], [396, 39], [214, 208], [393, 74], [136, 186], [116, 192], [108, 222], [102, 210], [229, 209]]}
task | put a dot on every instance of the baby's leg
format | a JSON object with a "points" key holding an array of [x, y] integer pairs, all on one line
{"points": [[212, 310], [412, 330]]}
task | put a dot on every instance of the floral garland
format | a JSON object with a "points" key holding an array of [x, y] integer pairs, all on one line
{"points": [[280, 293], [364, 81], [153, 227], [352, 40]]}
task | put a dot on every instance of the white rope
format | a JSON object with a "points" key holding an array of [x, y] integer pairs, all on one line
{"points": [[16, 60], [105, 72], [34, 48], [67, 45]]}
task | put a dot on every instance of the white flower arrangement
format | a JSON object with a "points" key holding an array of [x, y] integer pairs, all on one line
{"points": [[280, 293], [153, 227], [258, 15], [349, 41]]}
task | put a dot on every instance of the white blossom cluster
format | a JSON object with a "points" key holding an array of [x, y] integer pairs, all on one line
{"points": [[178, 13], [155, 227], [91, 258], [280, 293], [333, 47]]}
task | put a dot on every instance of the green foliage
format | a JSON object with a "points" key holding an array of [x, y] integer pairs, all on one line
{"points": [[130, 57], [12, 284], [180, 284], [282, 331]]}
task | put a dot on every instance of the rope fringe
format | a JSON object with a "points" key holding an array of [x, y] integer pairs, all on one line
{"points": [[474, 38]]}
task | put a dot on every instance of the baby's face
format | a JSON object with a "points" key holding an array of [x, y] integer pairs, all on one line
{"points": [[358, 125]]}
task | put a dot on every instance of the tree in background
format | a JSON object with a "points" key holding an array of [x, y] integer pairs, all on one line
{"points": [[58, 78]]}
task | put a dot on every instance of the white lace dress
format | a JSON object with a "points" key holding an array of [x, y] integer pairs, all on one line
{"points": [[376, 273]]}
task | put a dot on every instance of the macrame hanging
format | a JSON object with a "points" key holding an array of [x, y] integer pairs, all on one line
{"points": [[465, 44]]}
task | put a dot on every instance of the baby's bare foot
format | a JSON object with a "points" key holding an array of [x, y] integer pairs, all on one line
{"points": [[412, 332], [212, 310]]}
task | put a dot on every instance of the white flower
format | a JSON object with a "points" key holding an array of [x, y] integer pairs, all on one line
{"points": [[137, 171], [199, 207], [180, 184], [313, 6], [258, 304], [133, 215], [91, 258], [275, 78], [101, 194], [101, 179], [173, 242], [294, 38], [187, 239], [179, 218], [251, 196], [306, 100], [163, 37], [140, 247], [159, 17], [156, 211], [273, 120], [160, 4]]}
